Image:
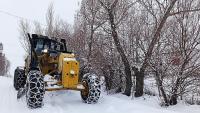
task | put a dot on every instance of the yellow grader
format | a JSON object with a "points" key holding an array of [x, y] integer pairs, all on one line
{"points": [[50, 67]]}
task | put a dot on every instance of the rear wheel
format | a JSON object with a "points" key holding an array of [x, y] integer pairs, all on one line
{"points": [[92, 90], [19, 78], [35, 89]]}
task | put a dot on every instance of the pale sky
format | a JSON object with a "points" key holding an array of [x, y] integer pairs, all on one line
{"points": [[32, 10]]}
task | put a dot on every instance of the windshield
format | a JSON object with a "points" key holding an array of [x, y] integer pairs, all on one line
{"points": [[57, 46], [41, 44]]}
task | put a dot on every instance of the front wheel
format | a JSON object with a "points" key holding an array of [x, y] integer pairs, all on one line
{"points": [[35, 89], [92, 90]]}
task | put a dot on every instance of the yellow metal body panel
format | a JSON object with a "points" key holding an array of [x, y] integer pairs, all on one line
{"points": [[47, 63], [61, 57], [70, 73], [68, 66]]}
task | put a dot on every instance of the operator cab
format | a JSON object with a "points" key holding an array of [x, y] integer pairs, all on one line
{"points": [[43, 43]]}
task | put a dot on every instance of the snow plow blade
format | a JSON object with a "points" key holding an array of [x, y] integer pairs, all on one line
{"points": [[20, 93]]}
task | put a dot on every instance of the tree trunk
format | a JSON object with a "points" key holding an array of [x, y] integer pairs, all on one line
{"points": [[122, 54], [173, 99], [139, 82], [90, 43], [161, 89]]}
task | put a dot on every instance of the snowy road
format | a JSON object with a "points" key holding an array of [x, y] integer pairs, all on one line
{"points": [[70, 102]]}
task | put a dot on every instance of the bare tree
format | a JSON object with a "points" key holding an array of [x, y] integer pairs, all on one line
{"points": [[24, 28], [160, 12], [176, 58], [110, 8], [91, 13], [50, 20], [38, 28], [139, 73]]}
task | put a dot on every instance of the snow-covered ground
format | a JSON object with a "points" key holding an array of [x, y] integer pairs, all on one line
{"points": [[70, 102]]}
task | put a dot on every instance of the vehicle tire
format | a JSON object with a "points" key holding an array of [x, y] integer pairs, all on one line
{"points": [[35, 89], [19, 78], [92, 90]]}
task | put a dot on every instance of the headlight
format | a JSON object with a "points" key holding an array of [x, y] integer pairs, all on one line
{"points": [[45, 50], [72, 72]]}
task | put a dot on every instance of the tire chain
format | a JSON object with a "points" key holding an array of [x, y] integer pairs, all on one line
{"points": [[20, 79], [94, 88], [35, 89]]}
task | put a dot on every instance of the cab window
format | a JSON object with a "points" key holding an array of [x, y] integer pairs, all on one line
{"points": [[39, 44]]}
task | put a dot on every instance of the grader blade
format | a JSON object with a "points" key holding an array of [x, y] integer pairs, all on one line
{"points": [[21, 93]]}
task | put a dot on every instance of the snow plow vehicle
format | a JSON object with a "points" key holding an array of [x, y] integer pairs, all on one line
{"points": [[50, 67]]}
